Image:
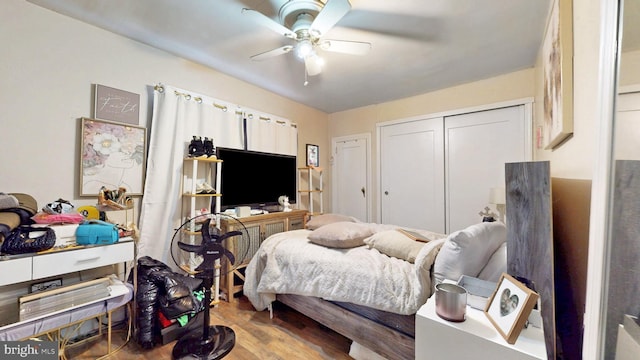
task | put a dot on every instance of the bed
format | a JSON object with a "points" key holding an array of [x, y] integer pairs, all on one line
{"points": [[366, 281]]}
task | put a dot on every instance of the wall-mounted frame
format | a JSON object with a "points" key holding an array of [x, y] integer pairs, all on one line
{"points": [[112, 155], [509, 307], [116, 105], [557, 66], [313, 155]]}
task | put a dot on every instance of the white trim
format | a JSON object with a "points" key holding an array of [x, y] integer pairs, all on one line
{"points": [[596, 293], [377, 215], [528, 131], [334, 176]]}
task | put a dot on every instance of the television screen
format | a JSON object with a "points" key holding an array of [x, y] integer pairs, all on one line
{"points": [[256, 179]]}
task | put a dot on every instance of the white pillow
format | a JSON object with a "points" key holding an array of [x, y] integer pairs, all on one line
{"points": [[395, 244], [342, 235], [317, 221], [467, 251], [496, 265]]}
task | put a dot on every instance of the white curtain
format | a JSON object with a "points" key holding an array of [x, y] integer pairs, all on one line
{"points": [[177, 116], [270, 133]]}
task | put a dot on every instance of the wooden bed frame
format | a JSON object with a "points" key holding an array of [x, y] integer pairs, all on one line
{"points": [[357, 327], [570, 205]]}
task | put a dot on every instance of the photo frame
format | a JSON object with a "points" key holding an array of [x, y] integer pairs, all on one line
{"points": [[509, 307], [313, 155], [112, 155], [557, 69], [116, 105]]}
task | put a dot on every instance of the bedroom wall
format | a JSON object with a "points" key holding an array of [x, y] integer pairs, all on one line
{"points": [[49, 63], [630, 68], [573, 159], [516, 85]]}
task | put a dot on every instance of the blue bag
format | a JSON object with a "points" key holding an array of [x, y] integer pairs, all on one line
{"points": [[97, 232]]}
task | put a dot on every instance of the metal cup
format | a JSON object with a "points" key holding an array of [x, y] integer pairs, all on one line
{"points": [[451, 302]]}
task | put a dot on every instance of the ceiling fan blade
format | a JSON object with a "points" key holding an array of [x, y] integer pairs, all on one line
{"points": [[267, 22], [346, 47], [330, 14], [271, 53], [312, 65]]}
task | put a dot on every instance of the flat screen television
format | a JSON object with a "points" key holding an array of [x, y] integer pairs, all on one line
{"points": [[256, 179]]}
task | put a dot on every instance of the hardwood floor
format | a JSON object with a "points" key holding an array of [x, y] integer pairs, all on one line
{"points": [[289, 335]]}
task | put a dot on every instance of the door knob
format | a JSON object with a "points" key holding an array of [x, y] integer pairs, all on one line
{"points": [[386, 193], [363, 192]]}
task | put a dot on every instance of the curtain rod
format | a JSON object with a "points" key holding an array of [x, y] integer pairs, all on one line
{"points": [[160, 88]]}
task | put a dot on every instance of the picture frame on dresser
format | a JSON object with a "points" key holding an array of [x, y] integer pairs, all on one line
{"points": [[113, 155], [509, 307]]}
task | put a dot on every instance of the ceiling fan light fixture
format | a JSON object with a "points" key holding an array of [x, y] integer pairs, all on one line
{"points": [[304, 48], [319, 61]]}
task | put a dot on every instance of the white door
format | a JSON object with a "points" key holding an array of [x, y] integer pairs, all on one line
{"points": [[412, 174], [477, 145], [351, 176]]}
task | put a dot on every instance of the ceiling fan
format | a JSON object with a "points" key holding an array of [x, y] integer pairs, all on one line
{"points": [[306, 21]]}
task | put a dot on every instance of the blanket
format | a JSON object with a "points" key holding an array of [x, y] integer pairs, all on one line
{"points": [[288, 263]]}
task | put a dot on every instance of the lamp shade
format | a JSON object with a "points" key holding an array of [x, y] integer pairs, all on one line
{"points": [[497, 196]]}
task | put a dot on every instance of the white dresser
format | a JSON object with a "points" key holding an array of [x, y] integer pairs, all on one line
{"points": [[19, 268], [474, 338]]}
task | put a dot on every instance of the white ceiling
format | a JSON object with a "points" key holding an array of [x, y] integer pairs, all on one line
{"points": [[417, 45]]}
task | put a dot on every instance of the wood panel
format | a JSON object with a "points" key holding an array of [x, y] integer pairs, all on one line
{"points": [[530, 238], [624, 271], [571, 210]]}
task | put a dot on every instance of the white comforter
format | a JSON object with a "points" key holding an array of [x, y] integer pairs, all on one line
{"points": [[288, 263]]}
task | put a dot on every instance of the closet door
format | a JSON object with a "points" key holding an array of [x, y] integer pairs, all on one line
{"points": [[477, 146], [350, 176], [412, 174]]}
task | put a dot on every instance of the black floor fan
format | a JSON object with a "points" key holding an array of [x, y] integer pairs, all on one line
{"points": [[213, 342]]}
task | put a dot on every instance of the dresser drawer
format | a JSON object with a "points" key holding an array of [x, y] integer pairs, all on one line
{"points": [[81, 259], [15, 270]]}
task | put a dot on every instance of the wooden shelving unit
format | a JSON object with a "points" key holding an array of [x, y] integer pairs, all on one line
{"points": [[202, 170], [311, 176]]}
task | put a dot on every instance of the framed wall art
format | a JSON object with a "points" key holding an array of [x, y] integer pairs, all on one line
{"points": [[112, 155], [313, 155], [509, 307], [557, 68], [116, 105]]}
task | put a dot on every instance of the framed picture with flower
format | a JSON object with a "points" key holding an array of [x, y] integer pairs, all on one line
{"points": [[113, 155]]}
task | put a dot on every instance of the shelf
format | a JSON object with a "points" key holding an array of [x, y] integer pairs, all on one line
{"points": [[309, 194], [197, 172], [203, 160], [201, 195]]}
